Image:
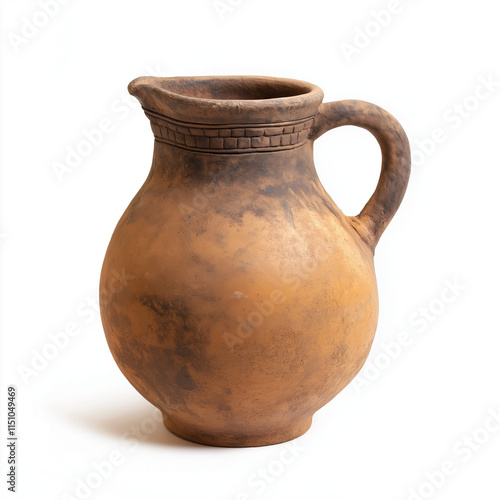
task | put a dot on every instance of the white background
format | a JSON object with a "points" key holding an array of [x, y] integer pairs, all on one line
{"points": [[395, 425]]}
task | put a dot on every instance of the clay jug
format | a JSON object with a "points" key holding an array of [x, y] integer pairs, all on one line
{"points": [[235, 295]]}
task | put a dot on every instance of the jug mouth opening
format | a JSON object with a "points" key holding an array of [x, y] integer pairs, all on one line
{"points": [[227, 99], [239, 89]]}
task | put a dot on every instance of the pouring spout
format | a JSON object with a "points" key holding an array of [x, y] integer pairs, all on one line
{"points": [[148, 91]]}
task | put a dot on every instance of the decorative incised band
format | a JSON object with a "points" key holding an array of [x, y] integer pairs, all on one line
{"points": [[238, 138]]}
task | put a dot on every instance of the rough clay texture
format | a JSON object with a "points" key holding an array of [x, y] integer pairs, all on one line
{"points": [[247, 299]]}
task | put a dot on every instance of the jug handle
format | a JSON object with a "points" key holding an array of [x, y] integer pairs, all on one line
{"points": [[383, 204]]}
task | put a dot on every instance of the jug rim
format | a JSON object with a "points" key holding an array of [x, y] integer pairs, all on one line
{"points": [[238, 99]]}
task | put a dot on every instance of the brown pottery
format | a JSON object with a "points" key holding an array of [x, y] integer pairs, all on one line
{"points": [[235, 295]]}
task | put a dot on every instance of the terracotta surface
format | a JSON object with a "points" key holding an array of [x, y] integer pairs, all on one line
{"points": [[235, 295]]}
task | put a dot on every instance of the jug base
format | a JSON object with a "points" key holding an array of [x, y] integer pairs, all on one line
{"points": [[234, 440]]}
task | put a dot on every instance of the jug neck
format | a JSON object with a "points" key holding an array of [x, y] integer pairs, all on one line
{"points": [[271, 170], [252, 127]]}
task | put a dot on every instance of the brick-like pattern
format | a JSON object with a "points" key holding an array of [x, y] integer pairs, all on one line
{"points": [[230, 138]]}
